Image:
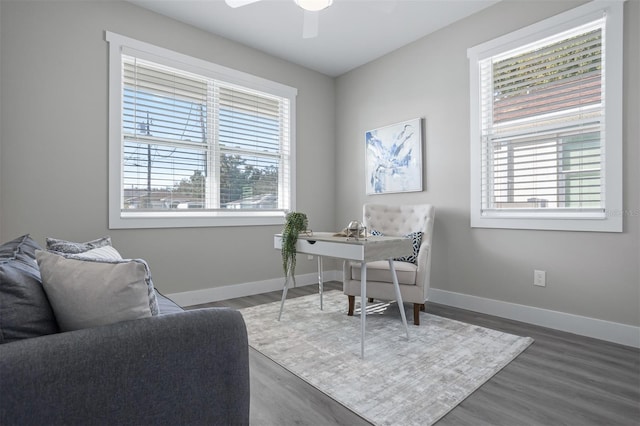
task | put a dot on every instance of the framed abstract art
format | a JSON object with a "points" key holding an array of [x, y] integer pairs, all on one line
{"points": [[394, 158]]}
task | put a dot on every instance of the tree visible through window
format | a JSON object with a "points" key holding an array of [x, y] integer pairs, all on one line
{"points": [[194, 143]]}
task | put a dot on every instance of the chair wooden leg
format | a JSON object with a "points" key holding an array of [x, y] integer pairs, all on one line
{"points": [[417, 307], [352, 305], [423, 308]]}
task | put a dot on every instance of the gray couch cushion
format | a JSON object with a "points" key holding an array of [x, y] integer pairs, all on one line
{"points": [[90, 293], [101, 250], [25, 311], [186, 369]]}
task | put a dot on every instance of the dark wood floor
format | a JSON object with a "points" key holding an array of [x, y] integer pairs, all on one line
{"points": [[562, 379]]}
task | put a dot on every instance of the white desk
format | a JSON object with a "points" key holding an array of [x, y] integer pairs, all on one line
{"points": [[324, 244]]}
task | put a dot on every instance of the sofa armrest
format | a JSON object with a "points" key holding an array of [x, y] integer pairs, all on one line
{"points": [[185, 368]]}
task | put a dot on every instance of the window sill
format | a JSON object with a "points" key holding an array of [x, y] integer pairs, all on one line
{"points": [[193, 219], [602, 223]]}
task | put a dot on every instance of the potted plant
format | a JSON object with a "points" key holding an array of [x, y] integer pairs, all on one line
{"points": [[295, 223]]}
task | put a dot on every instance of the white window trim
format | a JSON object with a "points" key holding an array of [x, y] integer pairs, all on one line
{"points": [[123, 220], [612, 219]]}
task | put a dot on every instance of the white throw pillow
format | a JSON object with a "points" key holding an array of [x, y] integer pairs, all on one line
{"points": [[90, 293], [100, 253]]}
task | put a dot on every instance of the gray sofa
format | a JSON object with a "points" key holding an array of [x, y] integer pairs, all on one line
{"points": [[176, 368]]}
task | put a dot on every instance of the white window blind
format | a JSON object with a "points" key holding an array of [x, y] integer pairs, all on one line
{"points": [[165, 128], [194, 145], [542, 120], [251, 128], [546, 135]]}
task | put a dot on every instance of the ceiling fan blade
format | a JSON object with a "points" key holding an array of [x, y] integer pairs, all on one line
{"points": [[238, 3], [310, 24]]}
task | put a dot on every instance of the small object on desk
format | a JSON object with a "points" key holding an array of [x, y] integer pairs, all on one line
{"points": [[354, 231]]}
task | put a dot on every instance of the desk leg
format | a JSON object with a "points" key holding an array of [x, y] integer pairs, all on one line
{"points": [[363, 305], [396, 286], [284, 292], [320, 279]]}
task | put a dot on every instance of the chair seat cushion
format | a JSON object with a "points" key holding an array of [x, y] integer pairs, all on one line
{"points": [[379, 271]]}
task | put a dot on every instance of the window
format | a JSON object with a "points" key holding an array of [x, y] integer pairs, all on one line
{"points": [[195, 144], [546, 124]]}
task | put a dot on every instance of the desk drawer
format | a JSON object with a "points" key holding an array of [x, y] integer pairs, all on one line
{"points": [[324, 248]]}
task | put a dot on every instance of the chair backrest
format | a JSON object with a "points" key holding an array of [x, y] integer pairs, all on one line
{"points": [[402, 220], [399, 219]]}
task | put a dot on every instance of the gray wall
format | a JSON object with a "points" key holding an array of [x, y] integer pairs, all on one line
{"points": [[53, 168], [53, 174], [589, 274]]}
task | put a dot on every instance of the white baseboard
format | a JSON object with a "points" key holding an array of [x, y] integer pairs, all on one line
{"points": [[214, 294], [590, 327]]}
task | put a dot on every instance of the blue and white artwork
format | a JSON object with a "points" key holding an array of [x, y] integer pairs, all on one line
{"points": [[394, 158]]}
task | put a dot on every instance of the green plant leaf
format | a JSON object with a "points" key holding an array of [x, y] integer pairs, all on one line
{"points": [[295, 222]]}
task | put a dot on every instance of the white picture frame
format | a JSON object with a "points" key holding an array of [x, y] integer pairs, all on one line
{"points": [[394, 158]]}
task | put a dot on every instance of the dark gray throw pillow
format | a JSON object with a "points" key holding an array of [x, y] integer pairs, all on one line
{"points": [[24, 244], [25, 311]]}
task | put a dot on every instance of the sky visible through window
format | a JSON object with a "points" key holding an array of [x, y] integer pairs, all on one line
{"points": [[168, 149]]}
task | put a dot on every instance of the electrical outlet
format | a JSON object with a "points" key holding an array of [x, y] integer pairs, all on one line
{"points": [[540, 278], [309, 257]]}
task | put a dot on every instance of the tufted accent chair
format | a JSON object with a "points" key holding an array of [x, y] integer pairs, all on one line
{"points": [[395, 220]]}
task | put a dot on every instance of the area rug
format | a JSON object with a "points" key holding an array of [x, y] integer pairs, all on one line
{"points": [[399, 381]]}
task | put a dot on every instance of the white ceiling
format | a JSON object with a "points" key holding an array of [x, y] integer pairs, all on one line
{"points": [[351, 32]]}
